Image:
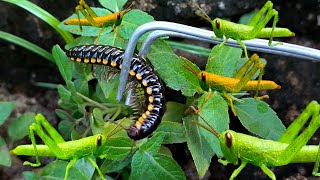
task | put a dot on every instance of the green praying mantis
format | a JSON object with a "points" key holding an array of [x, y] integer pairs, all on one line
{"points": [[290, 148], [254, 29], [55, 146], [241, 80], [92, 19]]}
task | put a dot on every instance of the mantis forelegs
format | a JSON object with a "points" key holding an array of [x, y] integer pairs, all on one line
{"points": [[70, 164], [238, 170], [268, 172], [246, 77], [88, 13], [259, 21], [295, 146], [51, 142], [292, 131], [315, 170]]}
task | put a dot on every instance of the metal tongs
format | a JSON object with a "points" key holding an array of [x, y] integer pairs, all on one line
{"points": [[162, 28]]}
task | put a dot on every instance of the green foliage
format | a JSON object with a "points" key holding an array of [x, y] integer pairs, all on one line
{"points": [[224, 60], [6, 109], [5, 159], [82, 170], [88, 105], [199, 147], [170, 68], [259, 118], [21, 125], [147, 162], [114, 6]]}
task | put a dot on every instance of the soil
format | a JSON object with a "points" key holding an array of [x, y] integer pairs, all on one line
{"points": [[299, 79]]}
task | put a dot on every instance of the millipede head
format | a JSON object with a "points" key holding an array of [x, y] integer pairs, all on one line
{"points": [[134, 133]]}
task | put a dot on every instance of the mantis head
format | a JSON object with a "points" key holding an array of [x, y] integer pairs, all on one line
{"points": [[100, 142], [216, 26], [121, 14], [203, 79], [227, 143], [190, 68]]}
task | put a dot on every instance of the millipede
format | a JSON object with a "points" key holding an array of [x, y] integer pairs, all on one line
{"points": [[152, 112]]}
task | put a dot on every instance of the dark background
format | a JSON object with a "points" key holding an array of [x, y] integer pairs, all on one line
{"points": [[299, 78]]}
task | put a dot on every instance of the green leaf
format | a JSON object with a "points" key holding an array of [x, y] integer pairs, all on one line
{"points": [[114, 5], [86, 167], [62, 61], [215, 112], [82, 86], [117, 148], [82, 40], [223, 60], [170, 68], [190, 48], [82, 71], [258, 118], [244, 19], [165, 151], [110, 166], [131, 21], [174, 112], [65, 128], [96, 121], [29, 175], [199, 148], [6, 110], [113, 39], [57, 169], [19, 127], [154, 143], [174, 132], [154, 167], [5, 159], [65, 100], [106, 89], [62, 114]]}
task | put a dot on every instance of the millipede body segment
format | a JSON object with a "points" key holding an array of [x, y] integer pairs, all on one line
{"points": [[111, 56]]}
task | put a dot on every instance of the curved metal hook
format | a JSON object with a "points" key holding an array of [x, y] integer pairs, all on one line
{"points": [[285, 49], [205, 35]]}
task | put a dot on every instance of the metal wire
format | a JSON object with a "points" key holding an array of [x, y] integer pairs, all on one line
{"points": [[286, 49], [179, 30]]}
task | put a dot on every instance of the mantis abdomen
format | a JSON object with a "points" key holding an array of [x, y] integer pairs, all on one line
{"points": [[232, 30], [228, 83], [100, 20], [66, 150], [261, 151]]}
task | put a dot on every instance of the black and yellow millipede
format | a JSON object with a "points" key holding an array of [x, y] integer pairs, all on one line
{"points": [[111, 56]]}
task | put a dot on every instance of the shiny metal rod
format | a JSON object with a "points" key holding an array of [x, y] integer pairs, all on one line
{"points": [[259, 45]]}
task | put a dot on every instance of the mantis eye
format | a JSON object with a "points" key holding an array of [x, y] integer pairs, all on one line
{"points": [[228, 137], [203, 77], [99, 140], [217, 24], [118, 16]]}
